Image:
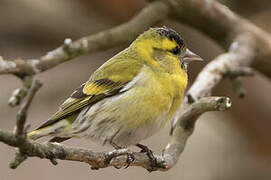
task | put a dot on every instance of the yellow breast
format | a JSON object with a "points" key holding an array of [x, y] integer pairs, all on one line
{"points": [[153, 97]]}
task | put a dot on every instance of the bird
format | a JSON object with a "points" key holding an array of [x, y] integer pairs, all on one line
{"points": [[128, 98]]}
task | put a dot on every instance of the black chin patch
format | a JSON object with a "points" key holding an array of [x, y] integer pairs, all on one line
{"points": [[170, 34]]}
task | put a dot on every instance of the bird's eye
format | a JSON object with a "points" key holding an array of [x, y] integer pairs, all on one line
{"points": [[175, 51]]}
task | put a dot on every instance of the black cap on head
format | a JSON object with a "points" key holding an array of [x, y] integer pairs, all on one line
{"points": [[170, 34]]}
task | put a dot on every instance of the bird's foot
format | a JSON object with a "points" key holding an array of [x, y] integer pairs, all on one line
{"points": [[118, 152], [153, 161], [129, 160]]}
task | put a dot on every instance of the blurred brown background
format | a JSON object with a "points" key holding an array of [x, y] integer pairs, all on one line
{"points": [[232, 145]]}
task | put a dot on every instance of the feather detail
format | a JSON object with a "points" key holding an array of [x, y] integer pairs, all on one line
{"points": [[87, 94]]}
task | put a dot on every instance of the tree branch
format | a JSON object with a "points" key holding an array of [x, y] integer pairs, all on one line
{"points": [[19, 94], [223, 26], [20, 130], [155, 12], [22, 113], [208, 16], [241, 54]]}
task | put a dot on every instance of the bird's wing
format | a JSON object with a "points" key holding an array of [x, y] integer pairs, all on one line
{"points": [[97, 88], [88, 94]]}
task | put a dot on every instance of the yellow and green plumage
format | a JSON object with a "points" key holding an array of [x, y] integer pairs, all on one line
{"points": [[129, 97]]}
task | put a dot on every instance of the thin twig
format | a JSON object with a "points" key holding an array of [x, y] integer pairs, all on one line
{"points": [[190, 113], [238, 87], [235, 77], [22, 113], [20, 130], [19, 94]]}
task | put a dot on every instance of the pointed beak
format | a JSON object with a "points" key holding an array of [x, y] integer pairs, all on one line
{"points": [[190, 56]]}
